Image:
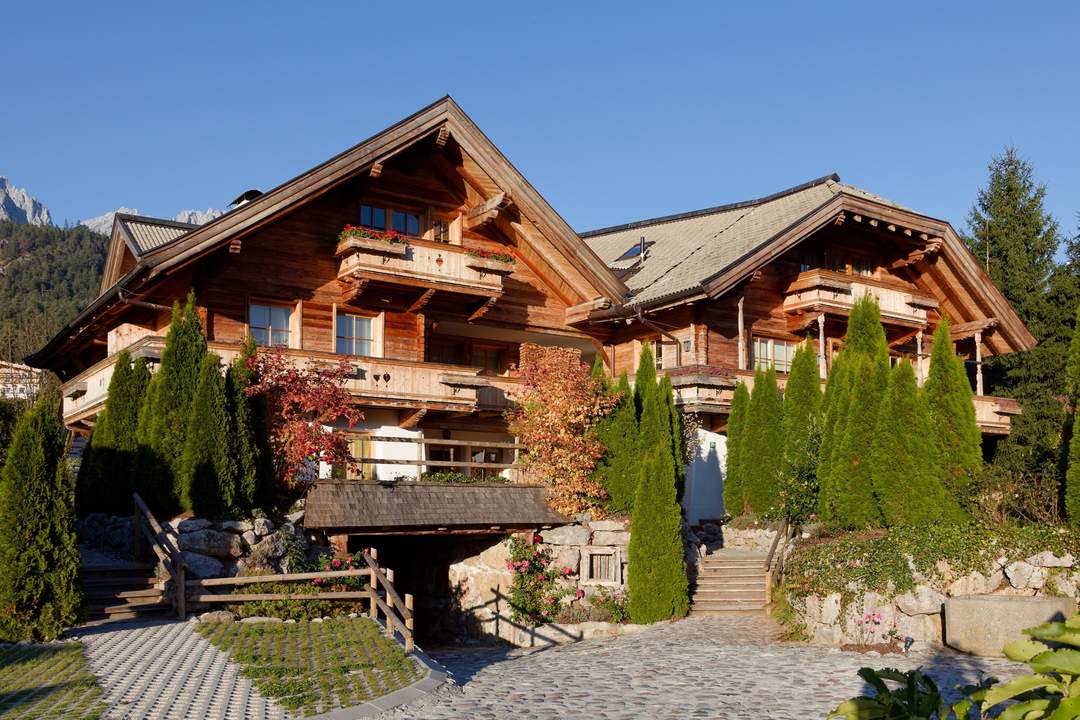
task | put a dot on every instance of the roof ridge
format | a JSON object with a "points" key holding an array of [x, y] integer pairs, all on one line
{"points": [[149, 220], [712, 210]]}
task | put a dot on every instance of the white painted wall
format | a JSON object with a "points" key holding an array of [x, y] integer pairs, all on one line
{"points": [[384, 422], [703, 496]]}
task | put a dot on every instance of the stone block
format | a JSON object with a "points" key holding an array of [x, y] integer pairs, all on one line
{"points": [[1047, 559], [827, 635], [296, 518], [607, 537], [566, 535], [192, 525], [1023, 575], [495, 556], [217, 616], [250, 538], [254, 619], [923, 601], [830, 609], [236, 526], [607, 525], [976, 583], [1065, 584], [203, 566], [212, 542], [920, 628], [566, 557], [269, 548], [811, 610], [263, 526], [982, 625]]}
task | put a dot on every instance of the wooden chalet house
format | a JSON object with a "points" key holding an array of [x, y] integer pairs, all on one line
{"points": [[722, 291]]}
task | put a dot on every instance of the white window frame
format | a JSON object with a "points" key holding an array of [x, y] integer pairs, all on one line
{"points": [[296, 313], [377, 324], [769, 360]]}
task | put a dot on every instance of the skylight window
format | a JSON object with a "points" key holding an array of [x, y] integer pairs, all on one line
{"points": [[636, 250]]}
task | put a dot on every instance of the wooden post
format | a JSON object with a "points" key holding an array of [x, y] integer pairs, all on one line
{"points": [[138, 544], [742, 337], [919, 357], [181, 590], [373, 592], [409, 624], [978, 363], [340, 544], [823, 369], [389, 603]]}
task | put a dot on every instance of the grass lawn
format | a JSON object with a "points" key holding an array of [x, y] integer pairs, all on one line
{"points": [[47, 681], [316, 667]]}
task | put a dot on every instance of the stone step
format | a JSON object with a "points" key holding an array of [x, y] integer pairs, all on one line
{"points": [[704, 612], [720, 582], [713, 560], [140, 606], [116, 567], [721, 595], [109, 593], [118, 581], [729, 572], [727, 605], [137, 612]]}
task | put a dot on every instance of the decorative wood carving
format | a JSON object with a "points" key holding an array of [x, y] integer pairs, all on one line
{"points": [[376, 170], [421, 300], [483, 308], [442, 137]]}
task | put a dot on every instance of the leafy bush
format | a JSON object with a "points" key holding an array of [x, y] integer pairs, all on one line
{"points": [[916, 698], [613, 604], [536, 594], [452, 477]]}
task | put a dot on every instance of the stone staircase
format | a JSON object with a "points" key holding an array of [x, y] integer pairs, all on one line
{"points": [[122, 591], [730, 581]]}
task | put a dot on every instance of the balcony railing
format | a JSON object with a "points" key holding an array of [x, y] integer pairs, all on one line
{"points": [[423, 263], [826, 290], [384, 382]]}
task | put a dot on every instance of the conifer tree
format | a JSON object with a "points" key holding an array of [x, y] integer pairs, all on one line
{"points": [[652, 424], [656, 575], [107, 473], [834, 408], [906, 481], [956, 437], [801, 429], [619, 469], [734, 482], [854, 504], [208, 466], [252, 468], [865, 333], [674, 430], [1072, 473], [764, 444], [163, 417], [644, 378], [39, 559], [599, 372]]}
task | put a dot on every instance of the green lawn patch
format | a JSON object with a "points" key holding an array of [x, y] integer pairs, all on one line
{"points": [[47, 681], [313, 668]]}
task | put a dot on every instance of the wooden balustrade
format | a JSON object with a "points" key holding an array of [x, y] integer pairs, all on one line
{"points": [[429, 264]]}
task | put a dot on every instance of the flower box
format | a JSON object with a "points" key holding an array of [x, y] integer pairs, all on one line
{"points": [[356, 243], [490, 264]]}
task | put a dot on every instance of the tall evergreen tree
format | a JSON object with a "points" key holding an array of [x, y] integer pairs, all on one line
{"points": [[1071, 491], [107, 473], [652, 422], [656, 574], [734, 481], [162, 428], [673, 429], [644, 378], [619, 470], [249, 434], [834, 409], [956, 437], [905, 479], [853, 499], [599, 372], [208, 468], [801, 432], [39, 559], [764, 444]]}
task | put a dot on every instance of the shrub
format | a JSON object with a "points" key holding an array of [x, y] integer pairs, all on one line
{"points": [[854, 502], [208, 464], [617, 470], [834, 408], [955, 434], [670, 414], [764, 444], [734, 481], [801, 434], [614, 605], [536, 594], [656, 574], [39, 559], [248, 431]]}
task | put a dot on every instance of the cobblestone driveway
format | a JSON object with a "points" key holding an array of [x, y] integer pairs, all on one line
{"points": [[713, 667]]}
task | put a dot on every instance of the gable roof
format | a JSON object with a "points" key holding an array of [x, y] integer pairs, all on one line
{"points": [[706, 252], [143, 234]]}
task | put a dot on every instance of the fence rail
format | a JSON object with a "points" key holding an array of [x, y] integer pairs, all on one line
{"points": [[148, 530]]}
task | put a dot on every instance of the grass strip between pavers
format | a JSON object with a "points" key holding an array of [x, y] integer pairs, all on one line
{"points": [[313, 668], [48, 681]]}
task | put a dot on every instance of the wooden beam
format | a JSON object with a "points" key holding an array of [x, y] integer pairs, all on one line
{"points": [[484, 307], [410, 418], [350, 291], [421, 300], [487, 211], [972, 328], [235, 246], [905, 337], [376, 170], [442, 137]]}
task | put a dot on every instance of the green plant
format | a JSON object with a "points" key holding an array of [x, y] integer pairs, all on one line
{"points": [[916, 698], [39, 559], [764, 440], [248, 428], [617, 469], [854, 502], [208, 464], [801, 433], [734, 482], [351, 231], [613, 603], [492, 255], [670, 414], [834, 407], [536, 593], [452, 477]]}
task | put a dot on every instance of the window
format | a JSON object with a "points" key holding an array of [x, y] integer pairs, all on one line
{"points": [[373, 217], [489, 358], [772, 353], [636, 250], [406, 223], [440, 231], [270, 325], [658, 353], [355, 335], [360, 446], [601, 565]]}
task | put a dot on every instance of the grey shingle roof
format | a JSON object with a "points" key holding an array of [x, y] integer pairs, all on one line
{"points": [[694, 246], [358, 506], [147, 233]]}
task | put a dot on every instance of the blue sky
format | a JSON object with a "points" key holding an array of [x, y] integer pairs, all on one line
{"points": [[614, 111]]}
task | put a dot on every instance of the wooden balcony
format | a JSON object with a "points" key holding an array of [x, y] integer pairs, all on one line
{"points": [[835, 293], [429, 266], [382, 382]]}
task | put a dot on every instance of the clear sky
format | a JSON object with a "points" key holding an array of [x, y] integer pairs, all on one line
{"points": [[614, 111]]}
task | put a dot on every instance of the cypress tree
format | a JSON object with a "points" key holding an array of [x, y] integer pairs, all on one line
{"points": [[834, 408], [644, 378], [801, 428], [956, 437], [1072, 473], [764, 444], [619, 469], [599, 372], [670, 413], [208, 463], [252, 472], [39, 558], [656, 575], [107, 474], [163, 418], [906, 481], [652, 424], [865, 333], [734, 483]]}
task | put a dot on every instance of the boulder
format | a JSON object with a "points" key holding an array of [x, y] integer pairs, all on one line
{"points": [[976, 583], [982, 625], [608, 537], [830, 609], [260, 619], [203, 566], [217, 616], [566, 535], [270, 548], [236, 526], [212, 542], [263, 526], [606, 525], [296, 518], [192, 525], [288, 529], [1047, 559], [811, 610], [827, 635], [920, 628], [923, 601], [1023, 575], [566, 557], [250, 538], [1065, 584]]}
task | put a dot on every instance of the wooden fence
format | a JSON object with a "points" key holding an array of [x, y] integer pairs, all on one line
{"points": [[148, 530]]}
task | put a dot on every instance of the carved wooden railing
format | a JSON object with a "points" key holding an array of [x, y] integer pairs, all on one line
{"points": [[148, 530]]}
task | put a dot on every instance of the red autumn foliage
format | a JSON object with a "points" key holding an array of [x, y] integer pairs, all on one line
{"points": [[300, 402], [558, 408]]}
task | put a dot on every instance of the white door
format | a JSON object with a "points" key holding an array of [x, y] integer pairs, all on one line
{"points": [[703, 497]]}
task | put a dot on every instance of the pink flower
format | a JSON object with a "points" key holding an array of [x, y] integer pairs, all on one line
{"points": [[550, 600], [537, 539], [877, 618], [567, 571], [579, 593], [542, 578], [336, 563], [859, 621]]}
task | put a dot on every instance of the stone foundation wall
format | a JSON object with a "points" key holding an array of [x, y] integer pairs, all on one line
{"points": [[481, 583], [873, 618]]}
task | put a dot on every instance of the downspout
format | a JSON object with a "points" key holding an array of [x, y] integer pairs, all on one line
{"points": [[653, 326]]}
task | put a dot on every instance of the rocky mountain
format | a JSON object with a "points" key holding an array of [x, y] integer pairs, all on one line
{"points": [[18, 206], [103, 223]]}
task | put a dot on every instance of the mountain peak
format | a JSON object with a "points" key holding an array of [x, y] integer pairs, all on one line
{"points": [[103, 223], [18, 206]]}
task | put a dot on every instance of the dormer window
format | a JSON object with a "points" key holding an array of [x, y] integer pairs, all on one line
{"points": [[638, 249]]}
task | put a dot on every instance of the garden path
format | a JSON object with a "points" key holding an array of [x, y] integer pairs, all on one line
{"points": [[164, 670], [706, 667]]}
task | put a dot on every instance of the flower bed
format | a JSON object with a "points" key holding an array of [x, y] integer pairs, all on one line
{"points": [[490, 261], [366, 239]]}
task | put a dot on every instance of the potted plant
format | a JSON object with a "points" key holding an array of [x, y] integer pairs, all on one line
{"points": [[491, 261], [362, 239]]}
